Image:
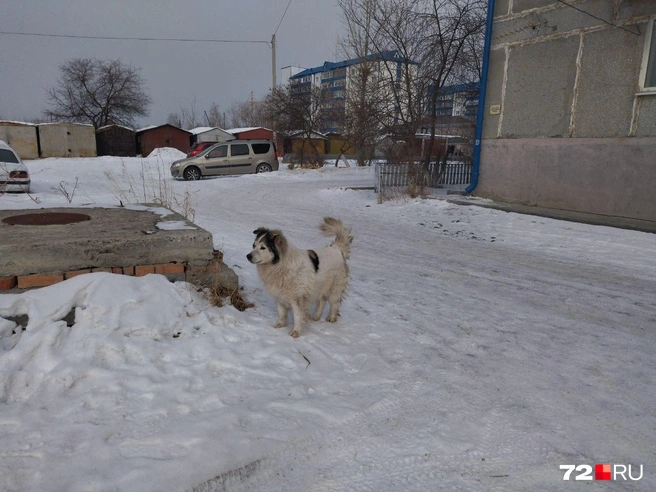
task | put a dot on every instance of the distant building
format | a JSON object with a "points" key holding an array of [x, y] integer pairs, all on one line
{"points": [[297, 142], [335, 77], [251, 132], [458, 100], [116, 140], [287, 73], [153, 137], [66, 140], [456, 110], [209, 134], [22, 137]]}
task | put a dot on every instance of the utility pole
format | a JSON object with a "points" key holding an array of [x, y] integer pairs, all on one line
{"points": [[273, 62]]}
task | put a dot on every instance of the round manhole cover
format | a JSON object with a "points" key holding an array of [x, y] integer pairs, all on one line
{"points": [[47, 218]]}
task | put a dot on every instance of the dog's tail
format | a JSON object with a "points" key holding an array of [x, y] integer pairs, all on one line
{"points": [[343, 238]]}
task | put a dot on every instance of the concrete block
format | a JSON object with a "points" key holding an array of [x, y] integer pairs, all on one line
{"points": [[559, 20], [634, 8], [614, 76], [111, 237], [646, 117], [494, 92], [501, 8], [519, 6], [605, 176], [212, 273], [539, 89]]}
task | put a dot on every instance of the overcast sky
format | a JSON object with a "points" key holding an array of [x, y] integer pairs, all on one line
{"points": [[174, 72]]}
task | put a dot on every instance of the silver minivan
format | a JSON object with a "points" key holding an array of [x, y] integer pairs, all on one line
{"points": [[233, 157]]}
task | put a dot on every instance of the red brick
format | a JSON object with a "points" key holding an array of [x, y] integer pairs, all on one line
{"points": [[7, 283], [128, 270], [142, 270], [106, 270], [29, 281], [169, 268], [118, 270], [75, 273]]}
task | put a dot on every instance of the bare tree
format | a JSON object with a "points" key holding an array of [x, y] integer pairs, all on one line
{"points": [[174, 119], [248, 113], [435, 41], [99, 92], [214, 116], [297, 113], [189, 115], [453, 28], [392, 30], [361, 119]]}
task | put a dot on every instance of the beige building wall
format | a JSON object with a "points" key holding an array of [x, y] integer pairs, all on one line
{"points": [[21, 137], [67, 140], [567, 124]]}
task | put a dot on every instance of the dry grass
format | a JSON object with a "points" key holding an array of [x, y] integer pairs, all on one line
{"points": [[150, 185], [218, 294]]}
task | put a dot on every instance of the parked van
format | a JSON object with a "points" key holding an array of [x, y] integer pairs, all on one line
{"points": [[233, 157]]}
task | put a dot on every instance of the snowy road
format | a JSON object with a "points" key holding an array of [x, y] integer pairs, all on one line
{"points": [[507, 359], [476, 350]]}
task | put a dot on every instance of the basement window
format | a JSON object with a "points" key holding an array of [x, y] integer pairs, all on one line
{"points": [[648, 72]]}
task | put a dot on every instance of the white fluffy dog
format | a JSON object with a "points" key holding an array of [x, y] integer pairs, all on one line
{"points": [[299, 278]]}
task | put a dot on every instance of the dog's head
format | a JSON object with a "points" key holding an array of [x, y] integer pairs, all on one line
{"points": [[269, 247]]}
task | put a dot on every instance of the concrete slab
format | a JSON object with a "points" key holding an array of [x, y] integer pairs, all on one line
{"points": [[111, 237], [613, 76], [568, 215], [540, 106]]}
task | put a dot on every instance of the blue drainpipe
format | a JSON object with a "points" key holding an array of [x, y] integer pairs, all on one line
{"points": [[481, 98]]}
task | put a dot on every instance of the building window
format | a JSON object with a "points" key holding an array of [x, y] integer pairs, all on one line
{"points": [[648, 81]]}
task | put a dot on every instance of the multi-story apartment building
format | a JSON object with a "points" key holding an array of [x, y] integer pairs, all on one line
{"points": [[335, 78]]}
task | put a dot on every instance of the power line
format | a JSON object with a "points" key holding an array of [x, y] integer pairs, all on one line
{"points": [[283, 16], [598, 18], [117, 38]]}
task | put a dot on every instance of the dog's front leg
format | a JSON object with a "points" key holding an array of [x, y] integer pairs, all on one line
{"points": [[300, 311], [334, 310], [282, 315]]}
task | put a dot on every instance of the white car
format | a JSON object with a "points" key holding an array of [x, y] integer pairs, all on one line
{"points": [[14, 175]]}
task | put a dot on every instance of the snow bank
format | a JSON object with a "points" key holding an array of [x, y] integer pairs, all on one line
{"points": [[167, 153]]}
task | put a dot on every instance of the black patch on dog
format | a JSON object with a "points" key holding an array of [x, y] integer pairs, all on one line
{"points": [[315, 260], [271, 244], [260, 230]]}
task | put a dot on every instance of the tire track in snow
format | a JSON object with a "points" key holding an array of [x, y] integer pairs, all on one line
{"points": [[332, 438]]}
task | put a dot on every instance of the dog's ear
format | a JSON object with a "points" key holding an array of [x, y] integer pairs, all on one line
{"points": [[279, 242], [260, 230]]}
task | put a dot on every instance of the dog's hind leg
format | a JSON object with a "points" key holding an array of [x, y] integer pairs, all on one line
{"points": [[300, 310], [282, 315], [321, 304], [334, 309]]}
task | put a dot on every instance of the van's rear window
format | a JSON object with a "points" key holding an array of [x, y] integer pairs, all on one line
{"points": [[261, 148]]}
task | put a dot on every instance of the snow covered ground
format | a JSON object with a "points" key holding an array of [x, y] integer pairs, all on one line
{"points": [[477, 350]]}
